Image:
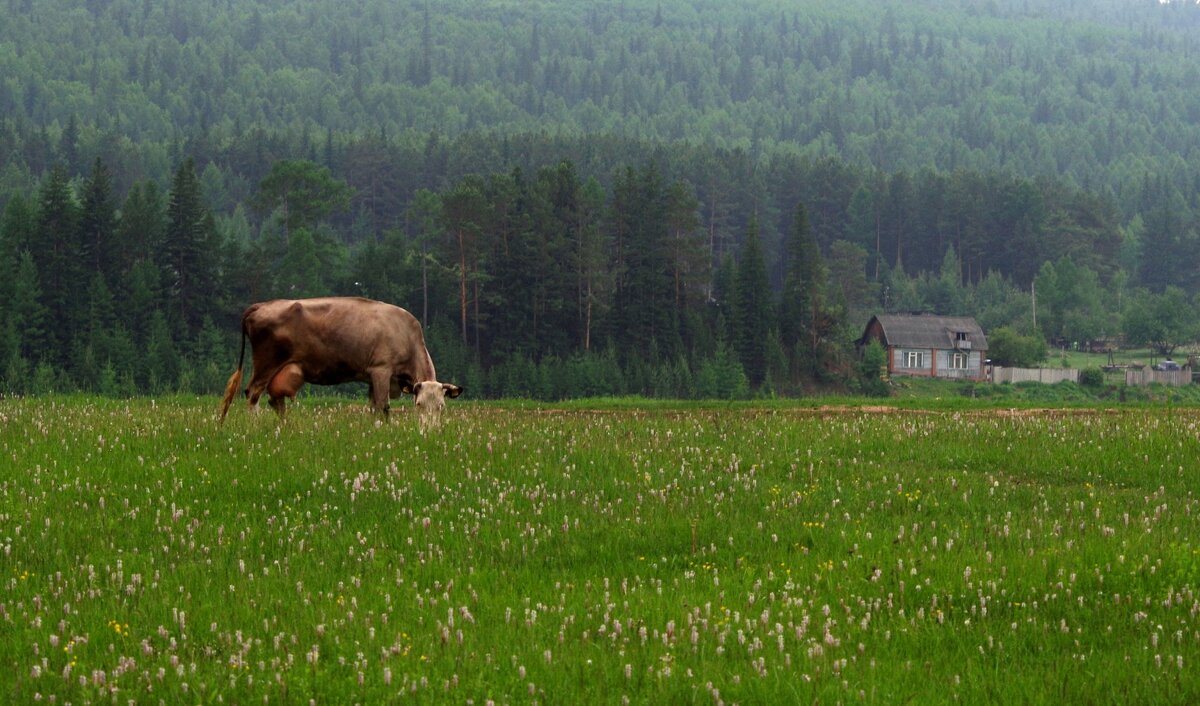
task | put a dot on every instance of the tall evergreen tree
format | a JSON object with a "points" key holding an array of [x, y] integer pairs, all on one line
{"points": [[850, 288], [26, 314], [17, 227], [463, 216], [68, 146], [98, 222], [162, 356], [56, 252], [511, 269], [753, 315], [16, 234], [644, 299], [593, 275], [803, 310], [301, 272], [189, 253], [140, 234], [303, 192], [691, 266], [554, 202], [143, 297], [1162, 241], [424, 214]]}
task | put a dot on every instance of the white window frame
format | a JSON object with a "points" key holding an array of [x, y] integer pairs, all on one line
{"points": [[959, 361], [914, 360]]}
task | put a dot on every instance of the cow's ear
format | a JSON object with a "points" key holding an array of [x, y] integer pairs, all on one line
{"points": [[410, 389], [452, 391]]}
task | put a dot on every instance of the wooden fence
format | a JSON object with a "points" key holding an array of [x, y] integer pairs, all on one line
{"points": [[1146, 376], [1046, 375]]}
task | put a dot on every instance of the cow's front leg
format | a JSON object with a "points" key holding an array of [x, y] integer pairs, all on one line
{"points": [[279, 404], [380, 385], [284, 385]]}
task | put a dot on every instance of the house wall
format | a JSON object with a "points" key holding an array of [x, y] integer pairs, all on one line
{"points": [[973, 371], [899, 362], [935, 363]]}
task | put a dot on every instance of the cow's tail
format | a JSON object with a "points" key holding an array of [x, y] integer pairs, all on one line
{"points": [[235, 380]]}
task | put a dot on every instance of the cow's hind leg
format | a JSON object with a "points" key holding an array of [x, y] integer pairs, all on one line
{"points": [[256, 387], [284, 385]]}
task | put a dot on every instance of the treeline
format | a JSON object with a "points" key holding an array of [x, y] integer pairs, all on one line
{"points": [[685, 272], [1016, 132], [1098, 94]]}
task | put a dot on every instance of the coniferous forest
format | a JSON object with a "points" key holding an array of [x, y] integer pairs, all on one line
{"points": [[687, 199]]}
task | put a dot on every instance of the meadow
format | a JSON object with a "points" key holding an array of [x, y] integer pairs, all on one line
{"points": [[713, 554]]}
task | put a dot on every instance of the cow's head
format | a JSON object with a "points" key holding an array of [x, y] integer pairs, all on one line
{"points": [[431, 400]]}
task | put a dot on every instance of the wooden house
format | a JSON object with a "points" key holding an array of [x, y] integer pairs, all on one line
{"points": [[922, 345]]}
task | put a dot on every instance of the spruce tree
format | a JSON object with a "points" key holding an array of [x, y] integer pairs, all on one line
{"points": [[26, 314], [803, 316], [189, 253], [141, 232], [17, 227], [300, 272], [162, 357], [644, 298], [56, 253], [753, 313], [98, 223]]}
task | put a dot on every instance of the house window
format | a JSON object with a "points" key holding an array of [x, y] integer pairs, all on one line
{"points": [[958, 361], [960, 336], [914, 359]]}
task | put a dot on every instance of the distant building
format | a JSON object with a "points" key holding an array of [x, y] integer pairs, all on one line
{"points": [[921, 345]]}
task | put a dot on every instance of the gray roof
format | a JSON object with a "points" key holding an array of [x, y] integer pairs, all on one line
{"points": [[927, 331]]}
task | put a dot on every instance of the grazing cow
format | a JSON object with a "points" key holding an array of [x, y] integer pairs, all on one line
{"points": [[332, 340]]}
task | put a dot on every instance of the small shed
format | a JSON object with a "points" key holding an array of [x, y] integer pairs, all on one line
{"points": [[923, 345]]}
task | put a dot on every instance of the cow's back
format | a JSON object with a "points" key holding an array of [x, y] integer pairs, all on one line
{"points": [[348, 333]]}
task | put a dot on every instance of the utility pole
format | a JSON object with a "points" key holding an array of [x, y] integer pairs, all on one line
{"points": [[1033, 293]]}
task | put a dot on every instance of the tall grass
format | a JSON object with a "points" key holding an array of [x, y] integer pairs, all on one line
{"points": [[571, 554]]}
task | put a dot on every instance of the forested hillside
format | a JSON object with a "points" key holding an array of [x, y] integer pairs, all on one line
{"points": [[552, 186]]}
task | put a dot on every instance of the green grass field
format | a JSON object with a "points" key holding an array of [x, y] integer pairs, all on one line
{"points": [[598, 554]]}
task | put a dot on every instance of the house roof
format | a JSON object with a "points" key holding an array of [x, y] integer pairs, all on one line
{"points": [[926, 331]]}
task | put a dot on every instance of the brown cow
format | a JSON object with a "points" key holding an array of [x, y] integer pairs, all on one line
{"points": [[332, 340]]}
